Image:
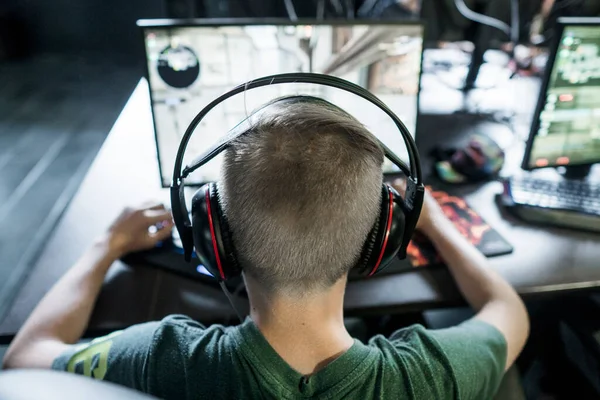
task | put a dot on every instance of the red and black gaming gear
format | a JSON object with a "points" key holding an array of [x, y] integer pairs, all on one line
{"points": [[208, 231]]}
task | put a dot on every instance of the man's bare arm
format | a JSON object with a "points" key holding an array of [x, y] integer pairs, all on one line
{"points": [[61, 317], [493, 299]]}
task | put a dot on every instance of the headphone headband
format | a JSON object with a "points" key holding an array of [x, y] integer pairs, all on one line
{"points": [[413, 197], [306, 77], [246, 126]]}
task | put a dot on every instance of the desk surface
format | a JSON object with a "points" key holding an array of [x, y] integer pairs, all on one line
{"points": [[125, 172]]}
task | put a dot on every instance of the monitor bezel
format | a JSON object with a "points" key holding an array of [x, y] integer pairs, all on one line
{"points": [[144, 24], [535, 122]]}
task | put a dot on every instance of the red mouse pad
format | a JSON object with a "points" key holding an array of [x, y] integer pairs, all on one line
{"points": [[421, 252]]}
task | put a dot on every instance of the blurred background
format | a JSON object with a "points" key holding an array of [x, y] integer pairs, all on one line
{"points": [[107, 28], [68, 67]]}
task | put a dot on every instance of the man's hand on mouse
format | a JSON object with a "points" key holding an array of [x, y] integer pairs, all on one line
{"points": [[139, 229], [430, 212]]}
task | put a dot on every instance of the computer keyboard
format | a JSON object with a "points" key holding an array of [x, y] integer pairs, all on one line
{"points": [[570, 203], [572, 195]]}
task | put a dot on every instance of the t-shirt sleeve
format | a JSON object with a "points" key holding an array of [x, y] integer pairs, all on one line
{"points": [[121, 357], [159, 358], [476, 354]]}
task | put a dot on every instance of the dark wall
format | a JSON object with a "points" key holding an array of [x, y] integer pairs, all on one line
{"points": [[108, 26], [84, 26]]}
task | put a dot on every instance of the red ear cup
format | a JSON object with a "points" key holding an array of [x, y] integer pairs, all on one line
{"points": [[215, 249], [386, 237], [214, 246], [212, 239], [232, 267]]}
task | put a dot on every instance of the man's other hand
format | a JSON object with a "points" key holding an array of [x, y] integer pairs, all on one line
{"points": [[139, 229], [430, 212]]}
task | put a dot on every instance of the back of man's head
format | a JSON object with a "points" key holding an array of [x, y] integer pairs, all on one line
{"points": [[301, 192]]}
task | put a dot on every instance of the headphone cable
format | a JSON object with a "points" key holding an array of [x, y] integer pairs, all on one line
{"points": [[481, 18], [349, 9], [515, 23], [291, 10], [366, 7], [230, 298], [320, 10]]}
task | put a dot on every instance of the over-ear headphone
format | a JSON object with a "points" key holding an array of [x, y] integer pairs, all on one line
{"points": [[208, 231]]}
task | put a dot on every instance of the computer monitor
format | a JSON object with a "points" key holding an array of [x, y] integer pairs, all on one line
{"points": [[566, 126], [190, 63]]}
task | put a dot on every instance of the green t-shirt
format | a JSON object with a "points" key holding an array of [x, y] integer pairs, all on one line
{"points": [[178, 358]]}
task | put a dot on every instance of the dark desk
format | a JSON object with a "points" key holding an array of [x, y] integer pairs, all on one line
{"points": [[125, 172]]}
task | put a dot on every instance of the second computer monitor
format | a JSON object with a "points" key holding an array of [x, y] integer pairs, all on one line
{"points": [[190, 64], [566, 126]]}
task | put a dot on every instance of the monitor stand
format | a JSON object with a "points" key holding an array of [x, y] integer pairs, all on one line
{"points": [[576, 172]]}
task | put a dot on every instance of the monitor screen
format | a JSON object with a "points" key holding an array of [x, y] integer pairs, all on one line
{"points": [[566, 127], [189, 66]]}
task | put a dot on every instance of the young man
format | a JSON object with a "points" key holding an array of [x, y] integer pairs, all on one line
{"points": [[301, 192]]}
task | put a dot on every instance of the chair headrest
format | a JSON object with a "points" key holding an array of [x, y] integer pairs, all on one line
{"points": [[53, 385]]}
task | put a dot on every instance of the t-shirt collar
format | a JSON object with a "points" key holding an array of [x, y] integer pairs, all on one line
{"points": [[254, 344]]}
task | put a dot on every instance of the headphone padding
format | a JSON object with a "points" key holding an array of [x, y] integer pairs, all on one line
{"points": [[202, 232], [386, 237], [397, 231], [372, 239], [367, 250], [232, 265]]}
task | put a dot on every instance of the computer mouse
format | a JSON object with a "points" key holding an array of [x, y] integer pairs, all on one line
{"points": [[481, 159]]}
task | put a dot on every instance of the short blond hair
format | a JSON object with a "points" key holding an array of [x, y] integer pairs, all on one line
{"points": [[301, 191]]}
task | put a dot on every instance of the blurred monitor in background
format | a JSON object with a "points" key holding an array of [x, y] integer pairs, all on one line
{"points": [[566, 126], [189, 66]]}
